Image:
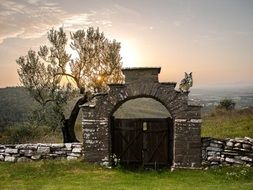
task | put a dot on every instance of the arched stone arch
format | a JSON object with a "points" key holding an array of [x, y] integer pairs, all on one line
{"points": [[142, 82]]}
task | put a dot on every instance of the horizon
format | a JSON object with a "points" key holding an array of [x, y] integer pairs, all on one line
{"points": [[213, 38]]}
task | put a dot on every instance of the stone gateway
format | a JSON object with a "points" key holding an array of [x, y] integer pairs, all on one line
{"points": [[174, 141]]}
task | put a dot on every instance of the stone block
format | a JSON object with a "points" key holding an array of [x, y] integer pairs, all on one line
{"points": [[26, 152], [21, 146], [57, 146], [241, 149], [245, 158], [233, 161], [60, 152], [213, 149], [76, 145], [230, 144], [214, 158], [71, 158], [246, 146], [237, 145], [230, 152], [74, 154], [10, 159], [32, 146], [217, 142], [215, 145], [77, 150], [43, 150], [212, 153], [68, 146], [239, 139], [214, 163], [11, 150], [1, 158], [36, 157], [53, 155], [249, 139]]}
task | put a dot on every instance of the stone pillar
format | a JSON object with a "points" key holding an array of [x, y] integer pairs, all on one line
{"points": [[95, 131], [187, 143], [96, 140]]}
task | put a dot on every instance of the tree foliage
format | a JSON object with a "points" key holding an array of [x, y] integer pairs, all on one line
{"points": [[52, 76]]}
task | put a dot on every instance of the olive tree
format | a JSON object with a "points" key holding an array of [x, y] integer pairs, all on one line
{"points": [[53, 77]]}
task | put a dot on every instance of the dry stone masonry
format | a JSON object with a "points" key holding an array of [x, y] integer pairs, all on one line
{"points": [[237, 151], [29, 152]]}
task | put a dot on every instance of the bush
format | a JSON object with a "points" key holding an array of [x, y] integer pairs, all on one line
{"points": [[23, 133], [226, 104]]}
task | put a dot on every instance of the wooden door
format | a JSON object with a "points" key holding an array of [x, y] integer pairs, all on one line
{"points": [[155, 142], [142, 141], [127, 141]]}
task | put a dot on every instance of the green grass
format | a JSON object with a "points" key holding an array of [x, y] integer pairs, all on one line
{"points": [[77, 175], [224, 124]]}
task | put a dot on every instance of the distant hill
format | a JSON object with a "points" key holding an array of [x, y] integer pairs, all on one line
{"points": [[142, 108], [15, 105]]}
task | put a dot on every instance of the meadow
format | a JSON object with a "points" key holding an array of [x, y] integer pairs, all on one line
{"points": [[228, 124], [77, 175]]}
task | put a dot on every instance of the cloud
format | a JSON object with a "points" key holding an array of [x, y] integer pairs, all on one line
{"points": [[126, 10], [76, 21], [33, 18], [11, 34]]}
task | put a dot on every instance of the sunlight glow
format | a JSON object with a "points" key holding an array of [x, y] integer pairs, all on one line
{"points": [[99, 78], [128, 53]]}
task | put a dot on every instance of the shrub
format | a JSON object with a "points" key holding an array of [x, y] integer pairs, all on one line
{"points": [[226, 104], [22, 133]]}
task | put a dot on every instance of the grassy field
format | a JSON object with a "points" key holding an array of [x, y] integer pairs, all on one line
{"points": [[75, 175], [222, 124]]}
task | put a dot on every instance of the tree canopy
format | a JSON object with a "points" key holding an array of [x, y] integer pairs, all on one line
{"points": [[52, 76]]}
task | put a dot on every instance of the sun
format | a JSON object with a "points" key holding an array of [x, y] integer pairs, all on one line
{"points": [[128, 53]]}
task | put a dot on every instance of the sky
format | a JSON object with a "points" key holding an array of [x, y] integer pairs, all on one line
{"points": [[211, 38]]}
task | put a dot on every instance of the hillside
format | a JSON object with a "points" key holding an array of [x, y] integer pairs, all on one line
{"points": [[224, 124], [15, 105], [142, 108]]}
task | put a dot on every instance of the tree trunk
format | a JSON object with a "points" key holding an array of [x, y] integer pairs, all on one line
{"points": [[68, 128]]}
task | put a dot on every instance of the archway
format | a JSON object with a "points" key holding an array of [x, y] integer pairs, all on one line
{"points": [[143, 82], [142, 133]]}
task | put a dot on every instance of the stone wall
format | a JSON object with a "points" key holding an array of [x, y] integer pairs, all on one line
{"points": [[237, 151], [29, 152]]}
